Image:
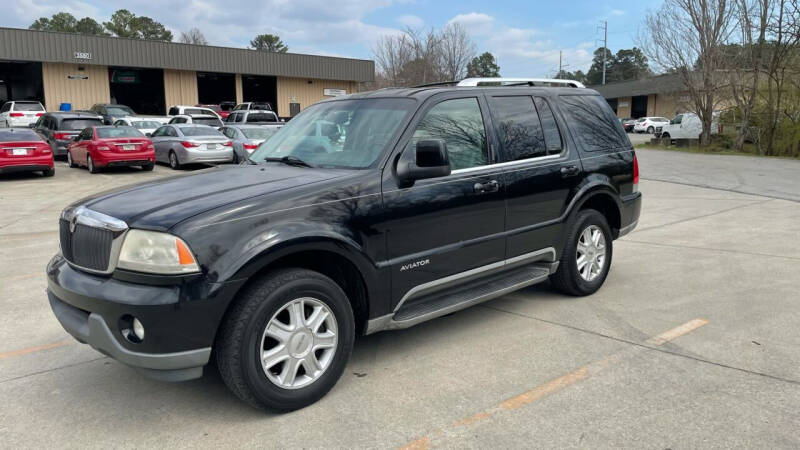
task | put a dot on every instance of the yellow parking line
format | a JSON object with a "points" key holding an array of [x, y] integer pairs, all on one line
{"points": [[554, 385], [38, 348]]}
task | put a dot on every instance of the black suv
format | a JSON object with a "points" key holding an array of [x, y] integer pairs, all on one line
{"points": [[59, 128], [368, 212]]}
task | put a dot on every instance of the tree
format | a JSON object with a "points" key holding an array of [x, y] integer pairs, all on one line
{"points": [[269, 43], [67, 23], [578, 76], [193, 36], [595, 73], [628, 64], [124, 23], [483, 66], [457, 51], [684, 32]]}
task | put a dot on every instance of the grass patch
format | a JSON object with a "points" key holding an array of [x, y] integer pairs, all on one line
{"points": [[720, 145]]}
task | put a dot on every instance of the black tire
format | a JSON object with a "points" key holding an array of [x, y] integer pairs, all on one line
{"points": [[174, 163], [567, 279], [238, 344], [49, 172], [90, 165], [650, 130], [70, 161], [148, 167]]}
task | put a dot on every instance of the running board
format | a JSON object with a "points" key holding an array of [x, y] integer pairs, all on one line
{"points": [[470, 294]]}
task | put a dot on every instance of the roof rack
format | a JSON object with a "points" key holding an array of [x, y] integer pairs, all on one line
{"points": [[552, 82], [438, 83]]}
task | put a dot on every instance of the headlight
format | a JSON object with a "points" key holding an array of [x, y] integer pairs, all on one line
{"points": [[154, 252]]}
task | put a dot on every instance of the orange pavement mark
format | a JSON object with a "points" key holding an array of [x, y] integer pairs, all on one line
{"points": [[38, 348], [554, 385]]}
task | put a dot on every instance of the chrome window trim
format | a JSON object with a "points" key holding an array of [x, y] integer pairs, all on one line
{"points": [[508, 163], [85, 216]]}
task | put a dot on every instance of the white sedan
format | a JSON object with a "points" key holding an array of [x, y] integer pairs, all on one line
{"points": [[146, 125], [649, 124], [20, 113]]}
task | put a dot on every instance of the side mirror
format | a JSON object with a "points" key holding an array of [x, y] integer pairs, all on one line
{"points": [[75, 138], [149, 134], [428, 160]]}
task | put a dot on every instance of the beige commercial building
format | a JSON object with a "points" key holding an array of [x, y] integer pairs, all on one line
{"points": [[663, 95], [150, 76]]}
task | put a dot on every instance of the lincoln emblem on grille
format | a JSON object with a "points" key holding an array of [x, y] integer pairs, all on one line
{"points": [[72, 222]]}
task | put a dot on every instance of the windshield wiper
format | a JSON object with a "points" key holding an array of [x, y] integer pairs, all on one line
{"points": [[290, 161]]}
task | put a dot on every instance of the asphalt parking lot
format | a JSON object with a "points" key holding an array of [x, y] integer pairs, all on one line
{"points": [[692, 342]]}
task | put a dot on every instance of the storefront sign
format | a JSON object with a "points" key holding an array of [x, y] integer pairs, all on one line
{"points": [[334, 92], [78, 77]]}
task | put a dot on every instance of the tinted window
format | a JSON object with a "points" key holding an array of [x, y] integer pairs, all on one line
{"points": [[146, 124], [238, 117], [264, 106], [28, 106], [552, 137], [173, 111], [79, 124], [118, 132], [190, 111], [160, 132], [5, 108], [261, 117], [459, 123], [518, 127], [211, 121], [200, 131], [593, 123], [18, 134], [119, 110], [260, 133]]}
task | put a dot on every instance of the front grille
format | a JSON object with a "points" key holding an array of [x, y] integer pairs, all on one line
{"points": [[86, 246]]}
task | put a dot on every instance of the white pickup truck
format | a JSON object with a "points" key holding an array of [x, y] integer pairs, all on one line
{"points": [[686, 126]]}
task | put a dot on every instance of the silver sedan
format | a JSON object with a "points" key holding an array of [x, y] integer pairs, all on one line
{"points": [[247, 138], [179, 144]]}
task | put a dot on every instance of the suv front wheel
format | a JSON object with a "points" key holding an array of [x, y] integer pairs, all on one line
{"points": [[286, 340], [586, 257]]}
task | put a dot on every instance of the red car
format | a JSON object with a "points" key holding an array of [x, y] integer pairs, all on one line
{"points": [[23, 150], [111, 146]]}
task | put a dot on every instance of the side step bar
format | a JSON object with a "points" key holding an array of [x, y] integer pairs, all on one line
{"points": [[470, 294]]}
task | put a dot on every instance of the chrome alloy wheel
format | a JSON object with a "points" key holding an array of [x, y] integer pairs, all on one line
{"points": [[299, 343], [591, 253]]}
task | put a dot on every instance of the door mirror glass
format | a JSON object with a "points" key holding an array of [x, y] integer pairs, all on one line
{"points": [[428, 160]]}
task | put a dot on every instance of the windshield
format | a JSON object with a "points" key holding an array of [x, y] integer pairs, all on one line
{"points": [[344, 133], [18, 134], [118, 132], [79, 124], [259, 133], [146, 124], [200, 131], [28, 107], [119, 110]]}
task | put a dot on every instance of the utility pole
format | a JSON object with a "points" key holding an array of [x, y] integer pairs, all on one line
{"points": [[558, 75], [605, 48]]}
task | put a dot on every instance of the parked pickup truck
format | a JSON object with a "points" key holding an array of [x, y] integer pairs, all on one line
{"points": [[686, 126], [418, 203]]}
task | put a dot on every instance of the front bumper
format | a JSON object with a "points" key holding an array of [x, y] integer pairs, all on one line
{"points": [[180, 319], [631, 208]]}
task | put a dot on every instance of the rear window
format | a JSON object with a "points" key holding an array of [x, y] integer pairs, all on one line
{"points": [[146, 124], [264, 106], [79, 124], [119, 110], [18, 134], [118, 132], [259, 133], [200, 131], [211, 121], [261, 117], [191, 111], [28, 106], [593, 123]]}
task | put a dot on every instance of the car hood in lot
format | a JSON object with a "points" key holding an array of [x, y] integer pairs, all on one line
{"points": [[164, 203]]}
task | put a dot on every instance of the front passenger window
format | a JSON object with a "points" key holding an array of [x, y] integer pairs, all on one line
{"points": [[459, 123]]}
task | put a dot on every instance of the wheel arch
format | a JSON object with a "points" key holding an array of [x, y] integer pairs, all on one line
{"points": [[602, 198]]}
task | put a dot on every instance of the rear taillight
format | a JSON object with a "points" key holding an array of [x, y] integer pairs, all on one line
{"points": [[62, 136], [103, 148], [635, 170], [16, 115], [250, 146], [228, 144], [150, 147], [188, 144], [39, 114], [44, 149]]}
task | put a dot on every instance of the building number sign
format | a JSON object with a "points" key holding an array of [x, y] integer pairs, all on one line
{"points": [[83, 55]]}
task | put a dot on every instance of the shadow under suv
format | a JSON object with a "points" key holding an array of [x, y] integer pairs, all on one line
{"points": [[419, 202]]}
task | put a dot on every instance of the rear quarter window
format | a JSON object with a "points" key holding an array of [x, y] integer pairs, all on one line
{"points": [[593, 123]]}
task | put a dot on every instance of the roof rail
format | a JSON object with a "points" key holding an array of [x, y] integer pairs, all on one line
{"points": [[553, 82]]}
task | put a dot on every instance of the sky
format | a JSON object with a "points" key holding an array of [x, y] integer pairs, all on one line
{"points": [[524, 36]]}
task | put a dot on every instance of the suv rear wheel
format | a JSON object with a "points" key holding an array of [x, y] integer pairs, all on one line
{"points": [[286, 340], [586, 258]]}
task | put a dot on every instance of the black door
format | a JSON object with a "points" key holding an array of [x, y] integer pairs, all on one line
{"points": [[540, 174], [444, 227]]}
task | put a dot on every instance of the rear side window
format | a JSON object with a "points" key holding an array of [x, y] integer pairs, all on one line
{"points": [[5, 108], [552, 137], [518, 127], [173, 111], [460, 124], [593, 123]]}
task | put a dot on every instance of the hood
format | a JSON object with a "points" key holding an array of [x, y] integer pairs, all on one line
{"points": [[163, 203]]}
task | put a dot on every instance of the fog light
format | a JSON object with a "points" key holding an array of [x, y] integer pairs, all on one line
{"points": [[131, 328]]}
